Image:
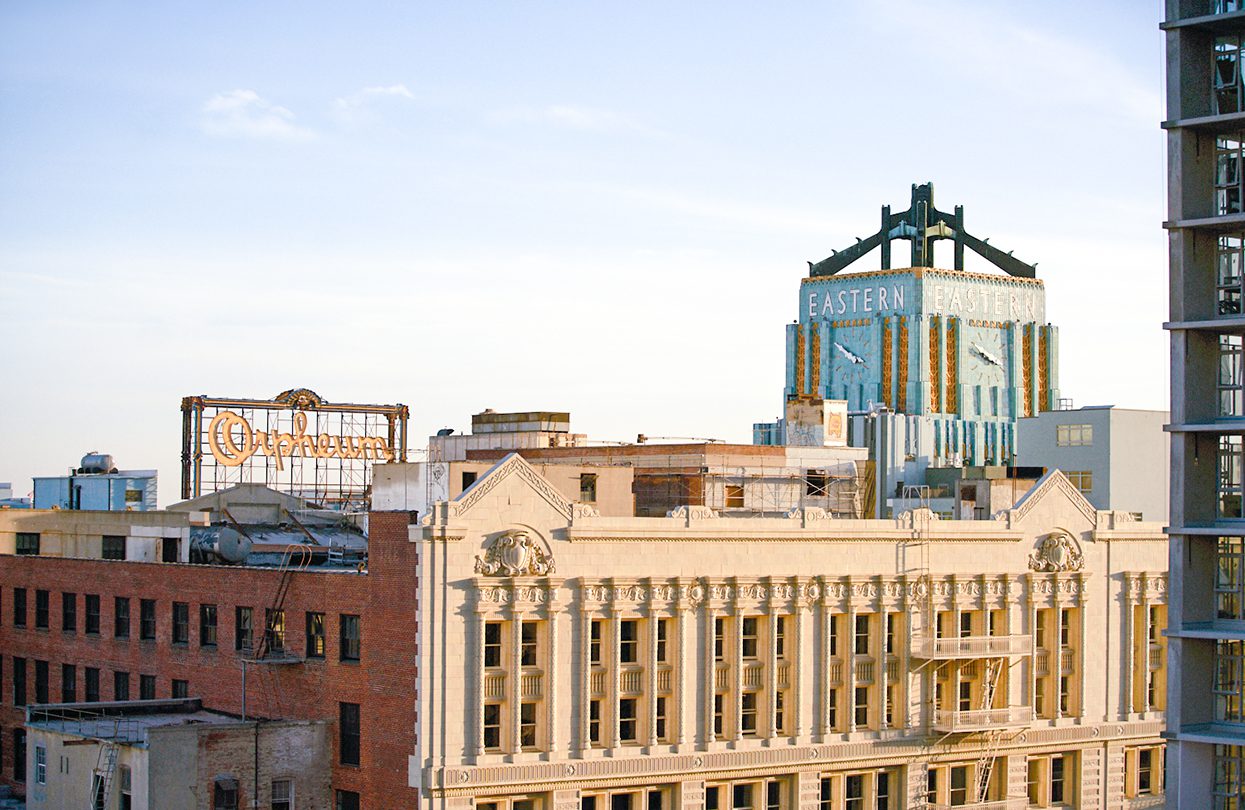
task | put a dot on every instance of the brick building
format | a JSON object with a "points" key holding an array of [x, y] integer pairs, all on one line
{"points": [[340, 649]]}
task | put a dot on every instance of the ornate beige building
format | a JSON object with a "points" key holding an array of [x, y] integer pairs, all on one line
{"points": [[572, 661]]}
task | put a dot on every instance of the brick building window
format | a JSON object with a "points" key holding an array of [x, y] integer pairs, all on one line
{"points": [[274, 630], [207, 625], [351, 638], [180, 688], [347, 800], [282, 794], [41, 610], [181, 623], [19, 607], [92, 614], [146, 687], [242, 629], [147, 620], [19, 755], [19, 681], [91, 684], [121, 617], [120, 686], [168, 549], [27, 544], [114, 547], [315, 635], [41, 682], [348, 729], [69, 683], [225, 793]]}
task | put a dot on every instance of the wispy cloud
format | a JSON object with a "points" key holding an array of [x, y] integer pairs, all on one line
{"points": [[577, 117], [349, 108], [246, 114]]}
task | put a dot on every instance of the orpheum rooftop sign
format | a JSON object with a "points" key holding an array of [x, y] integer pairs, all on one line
{"points": [[295, 442]]}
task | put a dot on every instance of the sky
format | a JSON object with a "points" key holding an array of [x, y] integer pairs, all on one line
{"points": [[599, 208]]}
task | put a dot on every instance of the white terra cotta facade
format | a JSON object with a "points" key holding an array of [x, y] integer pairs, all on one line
{"points": [[569, 660]]}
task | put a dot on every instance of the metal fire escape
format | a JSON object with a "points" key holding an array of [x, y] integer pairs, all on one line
{"points": [[993, 654]]}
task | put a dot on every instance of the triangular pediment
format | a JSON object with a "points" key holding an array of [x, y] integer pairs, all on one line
{"points": [[1051, 495], [510, 469]]}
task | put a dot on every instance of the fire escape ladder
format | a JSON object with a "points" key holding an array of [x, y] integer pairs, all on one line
{"points": [[102, 776], [985, 763]]}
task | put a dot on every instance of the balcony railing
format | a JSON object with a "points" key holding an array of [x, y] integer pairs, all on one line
{"points": [[1041, 664], [494, 686], [754, 675], [1067, 659], [836, 673], [864, 670], [530, 685], [971, 646], [631, 680], [665, 679], [596, 682], [784, 674], [1001, 804], [721, 676], [950, 722], [1156, 656]]}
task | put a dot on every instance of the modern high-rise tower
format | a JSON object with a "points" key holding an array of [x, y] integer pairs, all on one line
{"points": [[1206, 231]]}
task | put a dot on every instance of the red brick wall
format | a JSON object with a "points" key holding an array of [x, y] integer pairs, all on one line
{"points": [[383, 682]]}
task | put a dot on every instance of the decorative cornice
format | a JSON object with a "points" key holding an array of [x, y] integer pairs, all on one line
{"points": [[513, 464], [1054, 480]]}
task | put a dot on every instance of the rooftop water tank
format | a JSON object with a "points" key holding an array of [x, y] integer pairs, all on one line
{"points": [[94, 462], [226, 545]]}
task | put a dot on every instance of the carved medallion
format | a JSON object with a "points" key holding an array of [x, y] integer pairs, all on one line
{"points": [[514, 554], [1058, 552]]}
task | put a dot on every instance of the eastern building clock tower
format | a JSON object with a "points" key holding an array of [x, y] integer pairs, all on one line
{"points": [[951, 359]]}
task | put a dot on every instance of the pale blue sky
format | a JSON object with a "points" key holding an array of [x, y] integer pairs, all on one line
{"points": [[604, 209]]}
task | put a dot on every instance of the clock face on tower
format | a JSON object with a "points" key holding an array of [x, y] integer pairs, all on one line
{"points": [[854, 357], [987, 357]]}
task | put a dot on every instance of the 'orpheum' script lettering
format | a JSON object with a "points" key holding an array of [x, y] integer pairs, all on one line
{"points": [[232, 441]]}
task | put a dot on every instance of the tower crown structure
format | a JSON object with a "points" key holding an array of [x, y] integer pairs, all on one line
{"points": [[923, 224], [965, 354]]}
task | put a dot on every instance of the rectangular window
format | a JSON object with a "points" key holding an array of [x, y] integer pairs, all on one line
{"points": [[225, 794], [712, 798], [931, 786], [719, 719], [628, 727], [114, 547], [492, 644], [1228, 174], [1229, 772], [816, 483], [69, 683], [348, 724], [832, 708], [883, 793], [19, 607], [660, 719], [959, 785], [126, 787], [1083, 480], [147, 619], [1145, 771], [854, 792], [966, 624], [662, 630], [748, 714], [243, 630], [594, 722], [741, 797], [1065, 695], [527, 725], [826, 799], [594, 643], [41, 610], [1058, 779], [834, 635], [120, 686], [1228, 273], [181, 623], [347, 800], [1074, 435], [1065, 628], [69, 612], [19, 681], [27, 544], [588, 488], [780, 636], [734, 496], [748, 640], [629, 638], [274, 630], [780, 699], [41, 682], [861, 646], [92, 684], [890, 632], [966, 696], [1228, 477], [1039, 697], [41, 765], [282, 794], [207, 625], [1230, 376], [528, 634], [469, 478], [168, 549], [351, 637], [121, 617], [92, 614], [719, 639], [146, 687], [862, 707], [492, 726], [315, 634], [180, 688]]}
